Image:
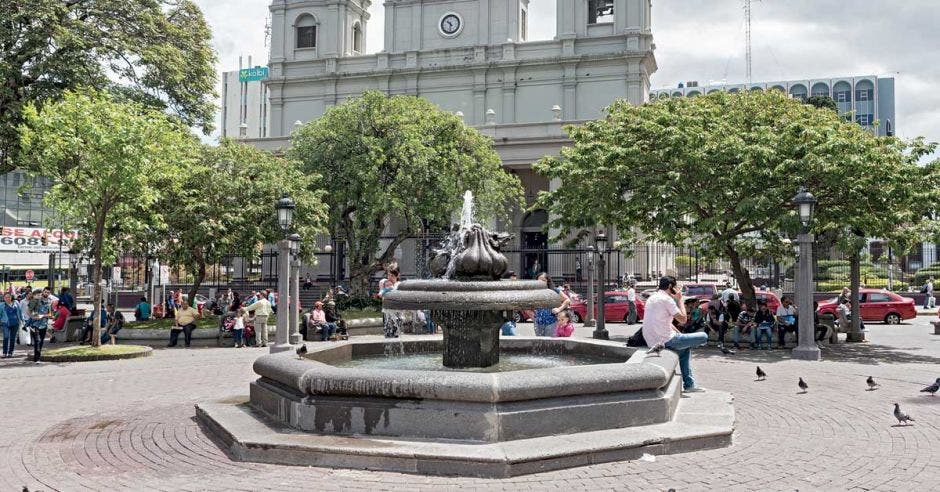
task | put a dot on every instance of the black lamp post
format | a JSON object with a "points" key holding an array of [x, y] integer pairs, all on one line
{"points": [[600, 332], [285, 218], [806, 348]]}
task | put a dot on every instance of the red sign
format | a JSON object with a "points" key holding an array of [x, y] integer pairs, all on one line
{"points": [[30, 275]]}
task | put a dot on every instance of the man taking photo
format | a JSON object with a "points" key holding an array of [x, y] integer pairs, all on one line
{"points": [[664, 306]]}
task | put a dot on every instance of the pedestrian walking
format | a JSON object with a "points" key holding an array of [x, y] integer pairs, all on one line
{"points": [[39, 311], [631, 302], [929, 300], [10, 319]]}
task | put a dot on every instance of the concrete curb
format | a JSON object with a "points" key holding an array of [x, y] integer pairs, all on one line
{"points": [[145, 352]]}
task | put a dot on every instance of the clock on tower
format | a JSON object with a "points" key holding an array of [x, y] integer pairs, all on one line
{"points": [[450, 25]]}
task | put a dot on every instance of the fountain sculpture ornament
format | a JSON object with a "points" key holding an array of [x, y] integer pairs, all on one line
{"points": [[468, 300]]}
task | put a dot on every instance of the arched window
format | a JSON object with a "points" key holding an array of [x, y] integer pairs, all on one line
{"points": [[842, 92], [756, 88], [778, 88], [798, 91], [864, 91], [714, 91], [734, 90], [820, 89], [535, 219], [677, 94], [694, 93], [357, 37], [306, 31]]}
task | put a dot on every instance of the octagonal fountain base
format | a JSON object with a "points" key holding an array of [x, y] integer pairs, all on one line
{"points": [[325, 411]]}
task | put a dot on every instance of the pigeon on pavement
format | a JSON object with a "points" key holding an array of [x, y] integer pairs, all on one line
{"points": [[933, 388], [803, 385], [301, 351], [761, 375], [655, 349], [871, 383], [902, 417], [726, 351]]}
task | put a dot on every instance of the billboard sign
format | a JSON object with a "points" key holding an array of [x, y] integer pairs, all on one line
{"points": [[36, 239], [252, 74]]}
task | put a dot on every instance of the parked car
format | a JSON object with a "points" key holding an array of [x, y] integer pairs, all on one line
{"points": [[616, 307], [877, 305], [701, 291]]}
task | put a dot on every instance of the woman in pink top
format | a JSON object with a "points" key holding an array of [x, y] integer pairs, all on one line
{"points": [[564, 327]]}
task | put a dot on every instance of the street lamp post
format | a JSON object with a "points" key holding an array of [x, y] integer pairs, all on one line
{"points": [[328, 249], [285, 218], [589, 315], [294, 302], [600, 332], [806, 348]]}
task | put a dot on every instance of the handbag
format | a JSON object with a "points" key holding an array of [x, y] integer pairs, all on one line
{"points": [[24, 337]]}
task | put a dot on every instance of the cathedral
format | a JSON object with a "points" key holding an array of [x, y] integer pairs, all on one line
{"points": [[471, 57]]}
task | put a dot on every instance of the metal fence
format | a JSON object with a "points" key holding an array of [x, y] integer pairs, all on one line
{"points": [[644, 262]]}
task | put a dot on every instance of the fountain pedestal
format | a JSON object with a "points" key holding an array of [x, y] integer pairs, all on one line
{"points": [[471, 338]]}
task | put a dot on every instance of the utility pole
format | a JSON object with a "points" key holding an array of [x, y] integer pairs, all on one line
{"points": [[747, 36]]}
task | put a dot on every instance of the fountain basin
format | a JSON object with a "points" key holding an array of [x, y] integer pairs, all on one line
{"points": [[312, 412], [315, 395]]}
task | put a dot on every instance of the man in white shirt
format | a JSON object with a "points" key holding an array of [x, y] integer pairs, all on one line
{"points": [[661, 308], [631, 302], [786, 320]]}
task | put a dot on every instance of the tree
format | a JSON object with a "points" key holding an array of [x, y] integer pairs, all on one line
{"points": [[105, 158], [397, 161], [225, 206], [717, 172], [823, 102], [156, 52]]}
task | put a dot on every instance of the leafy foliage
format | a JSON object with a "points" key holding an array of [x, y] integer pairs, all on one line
{"points": [[398, 160], [225, 206], [719, 172], [156, 52], [107, 160]]}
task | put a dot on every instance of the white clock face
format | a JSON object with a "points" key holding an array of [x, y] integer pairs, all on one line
{"points": [[451, 24]]}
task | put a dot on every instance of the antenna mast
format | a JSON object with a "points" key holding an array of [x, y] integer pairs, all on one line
{"points": [[747, 36]]}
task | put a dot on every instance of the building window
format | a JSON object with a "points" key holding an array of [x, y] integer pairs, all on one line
{"points": [[865, 119], [600, 11], [864, 94], [843, 96], [524, 24], [357, 38], [306, 30]]}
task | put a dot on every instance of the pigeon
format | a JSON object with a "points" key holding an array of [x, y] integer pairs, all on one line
{"points": [[761, 375], [655, 349], [301, 351], [726, 351], [803, 385], [933, 388], [902, 417], [871, 383]]}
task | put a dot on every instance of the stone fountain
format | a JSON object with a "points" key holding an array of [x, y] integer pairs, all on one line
{"points": [[469, 402]]}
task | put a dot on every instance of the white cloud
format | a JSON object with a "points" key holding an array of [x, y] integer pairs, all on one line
{"points": [[704, 40]]}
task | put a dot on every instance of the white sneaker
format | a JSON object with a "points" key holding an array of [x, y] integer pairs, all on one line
{"points": [[694, 389]]}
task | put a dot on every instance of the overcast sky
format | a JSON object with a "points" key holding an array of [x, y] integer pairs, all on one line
{"points": [[704, 40]]}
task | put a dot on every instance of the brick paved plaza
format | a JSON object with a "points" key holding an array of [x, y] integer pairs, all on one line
{"points": [[128, 425]]}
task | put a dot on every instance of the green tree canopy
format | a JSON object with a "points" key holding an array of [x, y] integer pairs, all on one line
{"points": [[156, 52], [719, 172], [225, 206], [397, 161], [107, 160]]}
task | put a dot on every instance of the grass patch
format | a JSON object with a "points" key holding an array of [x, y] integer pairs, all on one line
{"points": [[167, 323], [351, 314], [89, 351]]}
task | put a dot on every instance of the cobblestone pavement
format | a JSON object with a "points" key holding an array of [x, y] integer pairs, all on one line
{"points": [[128, 425]]}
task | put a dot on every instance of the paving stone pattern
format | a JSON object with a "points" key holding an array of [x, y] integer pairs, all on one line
{"points": [[128, 425]]}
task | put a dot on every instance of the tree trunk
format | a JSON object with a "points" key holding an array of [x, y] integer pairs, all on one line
{"points": [[198, 278], [742, 276], [96, 302], [855, 331]]}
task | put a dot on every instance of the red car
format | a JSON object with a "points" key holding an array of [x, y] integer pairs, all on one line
{"points": [[616, 307], [877, 305]]}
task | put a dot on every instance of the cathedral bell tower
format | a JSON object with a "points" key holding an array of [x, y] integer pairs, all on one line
{"points": [[315, 29]]}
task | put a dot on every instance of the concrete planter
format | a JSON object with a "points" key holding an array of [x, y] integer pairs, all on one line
{"points": [[143, 352]]}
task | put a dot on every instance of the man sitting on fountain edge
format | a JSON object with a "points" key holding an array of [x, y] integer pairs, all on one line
{"points": [[664, 306]]}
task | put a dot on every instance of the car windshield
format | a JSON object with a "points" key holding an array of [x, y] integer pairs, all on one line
{"points": [[699, 290]]}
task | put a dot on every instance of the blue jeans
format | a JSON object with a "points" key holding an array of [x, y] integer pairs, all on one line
{"points": [[682, 345], [9, 338], [509, 329], [326, 331], [760, 331], [238, 336]]}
